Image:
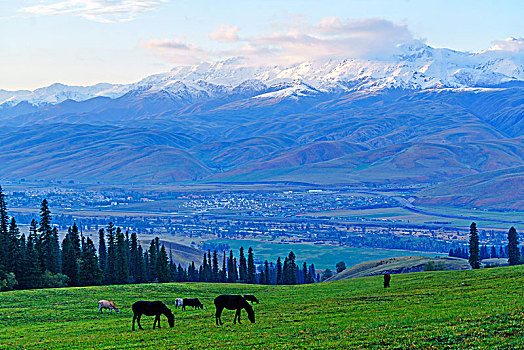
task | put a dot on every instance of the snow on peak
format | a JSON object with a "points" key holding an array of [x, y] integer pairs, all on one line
{"points": [[414, 66]]}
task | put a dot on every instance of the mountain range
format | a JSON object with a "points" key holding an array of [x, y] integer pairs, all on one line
{"points": [[425, 116]]}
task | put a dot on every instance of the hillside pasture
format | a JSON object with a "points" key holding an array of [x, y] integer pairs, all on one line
{"points": [[430, 310]]}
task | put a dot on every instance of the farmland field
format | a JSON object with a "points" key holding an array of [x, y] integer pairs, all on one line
{"points": [[323, 256], [451, 309]]}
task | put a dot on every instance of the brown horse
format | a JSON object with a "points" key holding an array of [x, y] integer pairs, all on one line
{"points": [[233, 302], [152, 308], [106, 304], [387, 278]]}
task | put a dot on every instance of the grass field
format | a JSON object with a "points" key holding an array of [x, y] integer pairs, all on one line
{"points": [[441, 310], [323, 256]]}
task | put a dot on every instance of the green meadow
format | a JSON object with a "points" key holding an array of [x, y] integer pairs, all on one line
{"points": [[431, 310], [323, 256]]}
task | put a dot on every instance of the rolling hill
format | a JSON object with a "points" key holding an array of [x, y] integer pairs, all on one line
{"points": [[428, 310]]}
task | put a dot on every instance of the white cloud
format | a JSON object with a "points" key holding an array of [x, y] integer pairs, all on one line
{"points": [[105, 11], [176, 51], [513, 45], [225, 32], [300, 41]]}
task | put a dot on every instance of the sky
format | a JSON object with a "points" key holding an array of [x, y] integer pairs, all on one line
{"points": [[84, 42]]}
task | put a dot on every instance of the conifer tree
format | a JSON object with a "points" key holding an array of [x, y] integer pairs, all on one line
{"points": [[89, 268], [290, 273], [312, 273], [215, 267], [230, 274], [279, 272], [49, 240], [513, 247], [251, 270], [102, 250], [493, 252], [223, 271], [12, 248], [140, 276], [71, 255], [474, 253], [133, 258], [304, 273], [267, 273], [261, 278], [110, 270], [121, 253], [3, 231], [162, 265], [242, 268], [235, 270]]}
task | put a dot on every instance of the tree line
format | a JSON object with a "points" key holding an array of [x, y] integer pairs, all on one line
{"points": [[475, 254], [38, 260]]}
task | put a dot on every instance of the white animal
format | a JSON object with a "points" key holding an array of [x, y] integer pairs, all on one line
{"points": [[179, 303], [106, 304]]}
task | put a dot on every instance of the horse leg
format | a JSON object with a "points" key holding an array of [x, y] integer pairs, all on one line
{"points": [[239, 311], [99, 308], [138, 321], [217, 316], [158, 316], [134, 318]]}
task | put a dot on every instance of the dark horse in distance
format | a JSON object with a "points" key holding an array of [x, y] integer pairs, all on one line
{"points": [[152, 308], [387, 279], [233, 302]]}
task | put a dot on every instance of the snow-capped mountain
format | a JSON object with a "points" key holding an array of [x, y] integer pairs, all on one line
{"points": [[416, 67]]}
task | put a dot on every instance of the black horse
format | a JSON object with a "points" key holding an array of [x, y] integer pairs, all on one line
{"points": [[152, 308], [387, 279], [251, 298], [233, 302]]}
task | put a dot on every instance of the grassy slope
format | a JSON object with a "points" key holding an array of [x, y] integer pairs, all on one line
{"points": [[399, 265], [453, 309]]}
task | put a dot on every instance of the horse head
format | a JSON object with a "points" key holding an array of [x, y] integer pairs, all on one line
{"points": [[170, 318], [250, 313]]}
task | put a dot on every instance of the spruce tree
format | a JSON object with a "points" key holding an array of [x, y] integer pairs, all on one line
{"points": [[292, 269], [89, 268], [474, 253], [49, 240], [11, 243], [71, 255], [215, 267], [513, 247], [162, 266], [121, 253], [312, 273], [223, 271], [133, 258], [4, 219], [493, 252], [251, 270], [140, 276], [279, 272], [102, 250], [304, 273], [110, 270], [242, 268], [230, 274], [266, 272]]}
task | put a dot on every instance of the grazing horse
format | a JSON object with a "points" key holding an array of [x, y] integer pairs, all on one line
{"points": [[387, 278], [251, 298], [106, 304], [233, 302], [179, 303], [194, 302], [152, 308]]}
